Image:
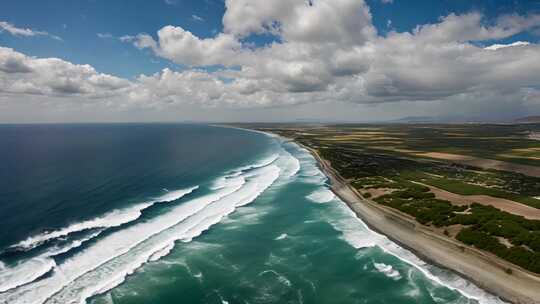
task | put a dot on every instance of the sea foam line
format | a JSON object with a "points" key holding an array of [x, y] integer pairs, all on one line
{"points": [[24, 273], [387, 270], [110, 248], [29, 270], [115, 271], [321, 196], [356, 237], [363, 236], [111, 219]]}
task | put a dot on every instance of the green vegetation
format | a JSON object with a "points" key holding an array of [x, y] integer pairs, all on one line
{"points": [[389, 157], [463, 188], [422, 204], [484, 225], [390, 171]]}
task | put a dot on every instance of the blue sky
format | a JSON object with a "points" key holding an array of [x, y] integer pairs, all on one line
{"points": [[268, 60], [79, 22]]}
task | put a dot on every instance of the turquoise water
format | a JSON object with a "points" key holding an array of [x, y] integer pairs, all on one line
{"points": [[257, 226]]}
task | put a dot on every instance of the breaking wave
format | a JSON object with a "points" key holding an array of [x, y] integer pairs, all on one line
{"points": [[357, 234], [114, 218], [108, 261], [321, 196], [387, 270]]}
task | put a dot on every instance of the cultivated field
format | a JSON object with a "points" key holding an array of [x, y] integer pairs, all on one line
{"points": [[478, 184]]}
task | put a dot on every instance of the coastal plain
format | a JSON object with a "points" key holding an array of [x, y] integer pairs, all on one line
{"points": [[465, 197]]}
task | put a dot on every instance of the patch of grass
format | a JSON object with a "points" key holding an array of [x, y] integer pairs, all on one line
{"points": [[459, 187]]}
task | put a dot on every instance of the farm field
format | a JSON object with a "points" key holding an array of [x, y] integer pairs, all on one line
{"points": [[478, 184]]}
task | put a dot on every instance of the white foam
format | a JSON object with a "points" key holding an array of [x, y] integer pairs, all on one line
{"points": [[111, 219], [192, 227], [162, 252], [281, 278], [281, 237], [357, 234], [172, 196], [110, 247], [288, 164], [23, 273], [106, 263], [321, 196], [310, 171], [258, 164], [223, 301], [360, 236], [387, 270], [27, 271], [74, 244], [264, 177]]}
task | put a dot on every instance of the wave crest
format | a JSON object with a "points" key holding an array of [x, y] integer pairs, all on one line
{"points": [[111, 219]]}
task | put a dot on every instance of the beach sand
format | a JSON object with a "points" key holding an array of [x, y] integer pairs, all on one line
{"points": [[484, 269]]}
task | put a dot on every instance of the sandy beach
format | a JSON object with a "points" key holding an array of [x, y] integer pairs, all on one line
{"points": [[484, 269]]}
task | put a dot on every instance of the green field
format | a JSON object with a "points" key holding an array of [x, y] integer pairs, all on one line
{"points": [[389, 158]]}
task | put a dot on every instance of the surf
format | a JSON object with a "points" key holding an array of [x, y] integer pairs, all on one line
{"points": [[106, 263], [111, 219], [359, 235]]}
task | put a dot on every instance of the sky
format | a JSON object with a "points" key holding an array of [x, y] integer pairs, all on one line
{"points": [[260, 60]]}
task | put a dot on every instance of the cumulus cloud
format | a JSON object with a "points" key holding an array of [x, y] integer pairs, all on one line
{"points": [[469, 27], [21, 74], [324, 51], [330, 50], [497, 46], [25, 32]]}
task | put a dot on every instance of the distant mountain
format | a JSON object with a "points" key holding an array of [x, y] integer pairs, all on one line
{"points": [[442, 119], [416, 119], [528, 119]]}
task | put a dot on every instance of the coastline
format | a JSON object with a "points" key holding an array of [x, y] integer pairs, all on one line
{"points": [[483, 269]]}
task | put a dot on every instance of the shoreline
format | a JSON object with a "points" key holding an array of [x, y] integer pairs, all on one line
{"points": [[481, 268], [485, 270]]}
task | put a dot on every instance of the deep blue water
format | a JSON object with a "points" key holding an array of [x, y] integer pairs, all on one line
{"points": [[53, 175], [170, 213]]}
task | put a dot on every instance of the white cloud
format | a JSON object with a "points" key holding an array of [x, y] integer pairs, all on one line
{"points": [[330, 49], [469, 27], [127, 38], [322, 21], [25, 32], [326, 51], [495, 47], [21, 74], [183, 47]]}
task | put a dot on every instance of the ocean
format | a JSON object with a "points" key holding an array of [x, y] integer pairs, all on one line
{"points": [[179, 213]]}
